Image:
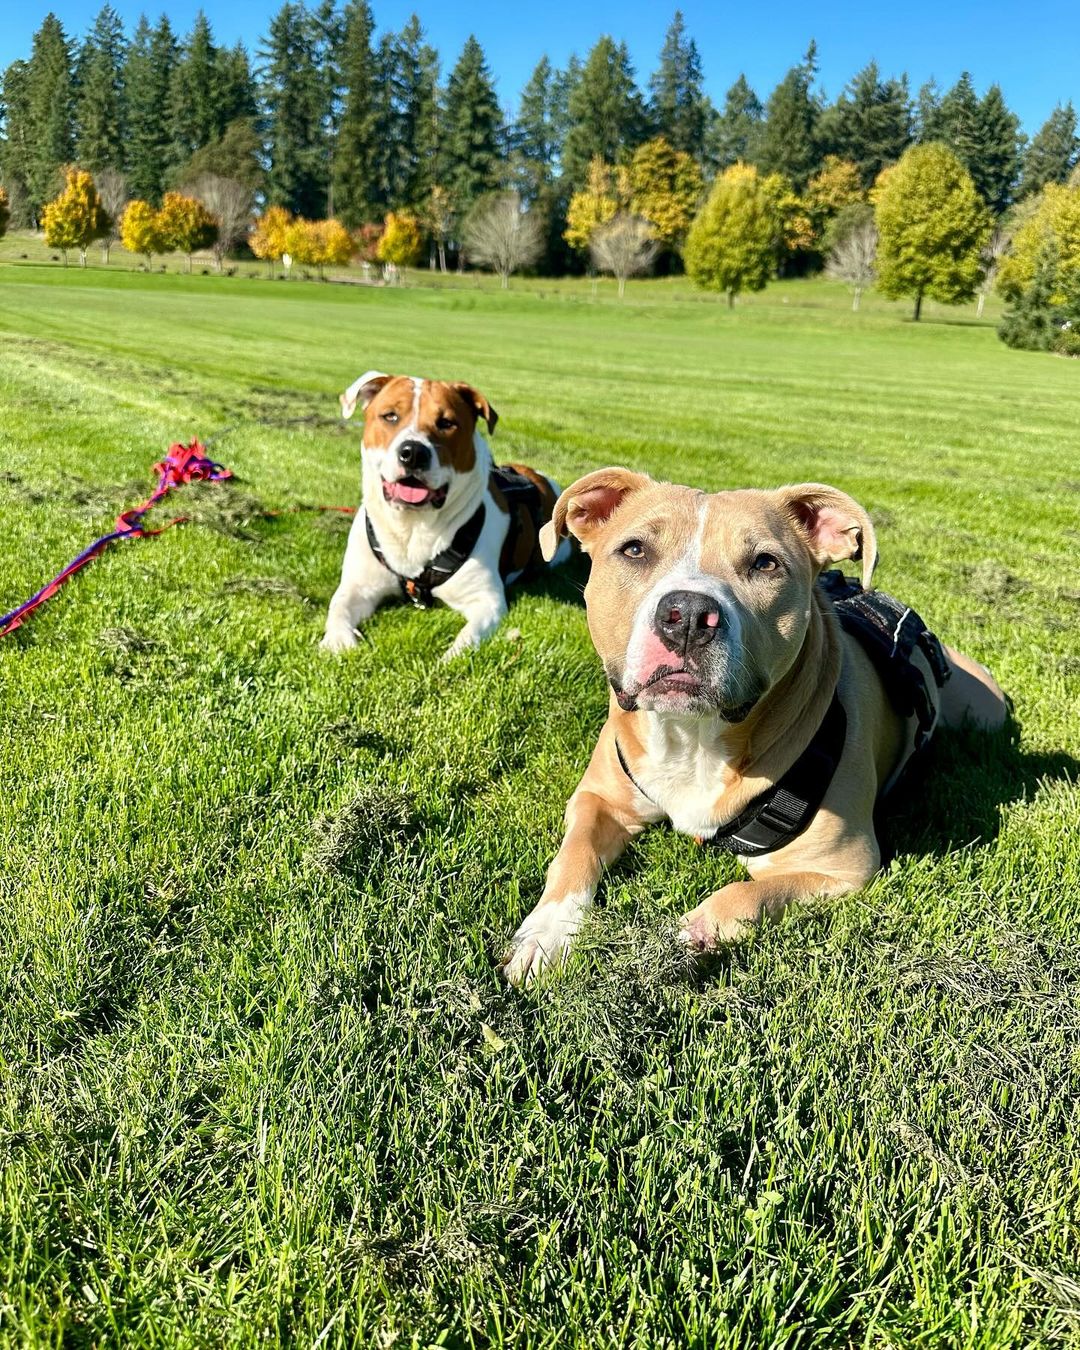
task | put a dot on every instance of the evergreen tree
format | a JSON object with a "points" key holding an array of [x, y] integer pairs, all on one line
{"points": [[534, 142], [735, 132], [193, 94], [1052, 152], [148, 72], [679, 108], [16, 148], [606, 111], [386, 123], [870, 123], [416, 133], [99, 102], [985, 136], [292, 97], [327, 34], [564, 82], [355, 167], [996, 167], [958, 122], [927, 122], [50, 109], [788, 142], [1032, 321], [236, 100], [472, 129]]}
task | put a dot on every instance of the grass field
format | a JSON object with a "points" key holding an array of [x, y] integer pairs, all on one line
{"points": [[259, 1078]]}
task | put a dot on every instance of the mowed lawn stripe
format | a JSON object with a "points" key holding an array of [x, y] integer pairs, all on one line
{"points": [[260, 1079]]}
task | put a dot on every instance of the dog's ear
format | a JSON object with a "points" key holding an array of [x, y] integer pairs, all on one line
{"points": [[362, 391], [587, 504], [479, 404], [834, 525]]}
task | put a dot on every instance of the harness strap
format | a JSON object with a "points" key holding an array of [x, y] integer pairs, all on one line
{"points": [[782, 812], [521, 494], [441, 568]]}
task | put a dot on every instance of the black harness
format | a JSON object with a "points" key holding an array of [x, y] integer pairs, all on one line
{"points": [[441, 568], [889, 633], [521, 493]]}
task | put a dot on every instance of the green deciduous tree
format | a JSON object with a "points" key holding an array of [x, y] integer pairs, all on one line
{"points": [[607, 114], [678, 105], [734, 134], [99, 104], [731, 244], [1052, 151], [932, 228]]}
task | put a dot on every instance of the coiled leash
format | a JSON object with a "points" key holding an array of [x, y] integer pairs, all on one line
{"points": [[183, 464]]}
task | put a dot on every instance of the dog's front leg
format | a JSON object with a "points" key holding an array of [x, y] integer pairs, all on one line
{"points": [[733, 911], [595, 837], [479, 595], [364, 585]]}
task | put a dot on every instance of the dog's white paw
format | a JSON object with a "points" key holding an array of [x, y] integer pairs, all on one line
{"points": [[339, 637], [543, 941]]}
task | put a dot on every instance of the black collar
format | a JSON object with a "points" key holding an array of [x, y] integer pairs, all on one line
{"points": [[782, 812], [441, 568]]}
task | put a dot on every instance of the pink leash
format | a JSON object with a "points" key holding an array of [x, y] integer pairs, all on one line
{"points": [[183, 464]]}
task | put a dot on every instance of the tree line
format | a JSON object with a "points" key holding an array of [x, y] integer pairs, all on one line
{"points": [[331, 118]]}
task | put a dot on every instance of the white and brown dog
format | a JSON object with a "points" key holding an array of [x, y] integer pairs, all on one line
{"points": [[748, 707], [438, 521]]}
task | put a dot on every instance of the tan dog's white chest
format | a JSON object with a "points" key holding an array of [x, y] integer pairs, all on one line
{"points": [[686, 772]]}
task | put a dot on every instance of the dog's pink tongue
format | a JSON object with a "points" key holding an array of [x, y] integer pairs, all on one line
{"points": [[406, 492]]}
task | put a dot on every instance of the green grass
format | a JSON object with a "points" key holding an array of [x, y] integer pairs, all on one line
{"points": [[259, 1079]]}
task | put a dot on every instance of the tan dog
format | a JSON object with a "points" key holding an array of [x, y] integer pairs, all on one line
{"points": [[439, 522], [732, 681]]}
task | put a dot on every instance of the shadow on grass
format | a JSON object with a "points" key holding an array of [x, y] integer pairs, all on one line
{"points": [[953, 798]]}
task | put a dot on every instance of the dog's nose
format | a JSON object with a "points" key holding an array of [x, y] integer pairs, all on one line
{"points": [[414, 455], [686, 619]]}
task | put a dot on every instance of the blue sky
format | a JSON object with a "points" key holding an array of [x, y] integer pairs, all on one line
{"points": [[1034, 53]]}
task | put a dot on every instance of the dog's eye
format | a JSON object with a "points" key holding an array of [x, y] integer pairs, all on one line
{"points": [[633, 548], [390, 416], [445, 423], [765, 562]]}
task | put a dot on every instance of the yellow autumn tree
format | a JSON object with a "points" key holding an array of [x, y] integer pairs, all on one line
{"points": [[185, 225], [267, 239], [606, 192], [401, 241], [837, 184], [1054, 224], [666, 187], [76, 218], [318, 243], [793, 228], [139, 231]]}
